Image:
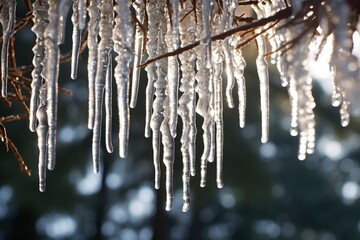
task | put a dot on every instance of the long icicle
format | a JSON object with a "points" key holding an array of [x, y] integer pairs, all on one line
{"points": [[165, 128], [160, 85], [263, 72], [7, 20], [51, 76], [186, 102], [173, 66], [152, 8], [123, 46], [93, 31], [104, 51], [217, 66], [40, 13]]}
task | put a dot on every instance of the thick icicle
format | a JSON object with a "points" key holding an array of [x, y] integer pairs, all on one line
{"points": [[7, 20], [123, 46], [93, 31], [152, 8], [262, 69], [160, 87], [51, 75], [108, 108], [40, 13], [76, 38], [187, 101], [41, 130], [138, 49], [172, 41], [104, 51]]}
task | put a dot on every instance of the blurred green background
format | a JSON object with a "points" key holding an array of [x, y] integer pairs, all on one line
{"points": [[268, 193]]}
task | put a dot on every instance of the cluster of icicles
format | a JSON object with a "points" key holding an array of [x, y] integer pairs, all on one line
{"points": [[118, 27]]}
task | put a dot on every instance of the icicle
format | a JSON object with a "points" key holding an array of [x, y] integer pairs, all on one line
{"points": [[226, 18], [212, 151], [64, 11], [345, 64], [187, 101], [239, 64], [217, 67], [76, 38], [160, 88], [168, 155], [41, 130], [108, 108], [345, 113], [7, 20], [277, 39], [152, 8], [166, 125], [262, 69], [229, 72], [123, 46], [337, 95], [51, 63], [300, 92], [293, 94], [175, 23], [93, 30], [157, 115], [138, 48], [203, 108], [172, 42], [40, 8], [104, 51]]}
